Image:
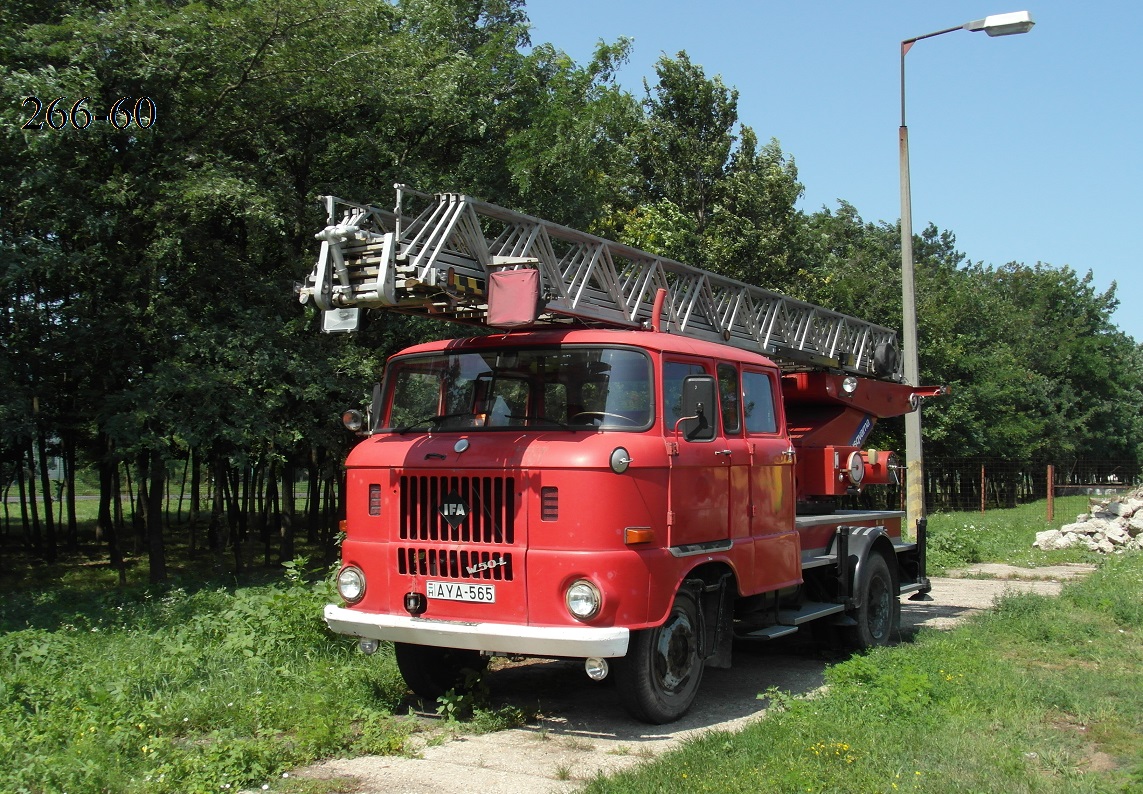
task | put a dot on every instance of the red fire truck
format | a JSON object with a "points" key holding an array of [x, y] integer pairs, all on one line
{"points": [[634, 464]]}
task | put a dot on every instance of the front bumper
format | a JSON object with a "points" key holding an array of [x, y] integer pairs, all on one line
{"points": [[498, 638]]}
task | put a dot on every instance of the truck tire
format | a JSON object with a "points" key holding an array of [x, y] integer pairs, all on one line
{"points": [[879, 611], [661, 673], [431, 672]]}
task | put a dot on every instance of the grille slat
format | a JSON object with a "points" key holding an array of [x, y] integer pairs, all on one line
{"points": [[453, 564], [490, 503]]}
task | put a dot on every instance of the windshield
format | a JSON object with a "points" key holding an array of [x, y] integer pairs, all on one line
{"points": [[539, 388]]}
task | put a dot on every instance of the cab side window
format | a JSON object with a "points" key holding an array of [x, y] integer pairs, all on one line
{"points": [[758, 406], [673, 374], [728, 395]]}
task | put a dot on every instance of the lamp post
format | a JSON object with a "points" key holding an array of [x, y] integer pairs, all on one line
{"points": [[995, 25]]}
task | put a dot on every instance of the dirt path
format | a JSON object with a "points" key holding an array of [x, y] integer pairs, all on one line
{"points": [[583, 731]]}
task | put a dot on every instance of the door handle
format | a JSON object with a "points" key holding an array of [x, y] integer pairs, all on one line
{"points": [[722, 452]]}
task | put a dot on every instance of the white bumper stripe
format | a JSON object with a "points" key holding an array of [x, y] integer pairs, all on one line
{"points": [[568, 641]]}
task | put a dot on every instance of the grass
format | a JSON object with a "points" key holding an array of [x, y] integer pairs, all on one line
{"points": [[193, 687], [178, 690], [1038, 695], [958, 539]]}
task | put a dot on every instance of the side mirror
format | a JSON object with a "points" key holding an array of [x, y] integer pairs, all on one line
{"points": [[698, 401], [364, 423], [375, 408]]}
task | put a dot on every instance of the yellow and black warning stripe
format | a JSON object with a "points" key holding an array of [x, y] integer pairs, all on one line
{"points": [[465, 285]]}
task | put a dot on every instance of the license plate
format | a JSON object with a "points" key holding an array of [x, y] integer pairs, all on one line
{"points": [[458, 591]]}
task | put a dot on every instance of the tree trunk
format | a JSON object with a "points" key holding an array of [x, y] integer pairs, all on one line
{"points": [[46, 488], [271, 513], [155, 498], [69, 475], [183, 491], [214, 527], [287, 526], [105, 522], [196, 485], [37, 540], [313, 497], [117, 503], [139, 504]]}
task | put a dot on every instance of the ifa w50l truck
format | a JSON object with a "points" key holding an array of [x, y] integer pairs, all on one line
{"points": [[634, 463]]}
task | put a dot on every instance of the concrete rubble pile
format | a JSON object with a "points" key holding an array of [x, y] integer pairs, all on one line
{"points": [[1112, 526]]}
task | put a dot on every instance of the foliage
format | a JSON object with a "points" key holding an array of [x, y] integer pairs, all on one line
{"points": [[1035, 369], [709, 197], [185, 691], [147, 316]]}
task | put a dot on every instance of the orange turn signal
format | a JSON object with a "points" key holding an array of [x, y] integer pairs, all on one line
{"points": [[634, 535]]}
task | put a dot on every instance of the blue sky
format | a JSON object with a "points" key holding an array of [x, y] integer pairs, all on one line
{"points": [[1028, 148]]}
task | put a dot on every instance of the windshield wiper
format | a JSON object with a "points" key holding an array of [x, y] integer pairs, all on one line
{"points": [[435, 419], [548, 419]]}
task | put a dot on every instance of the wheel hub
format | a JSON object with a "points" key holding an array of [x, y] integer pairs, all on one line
{"points": [[675, 653]]}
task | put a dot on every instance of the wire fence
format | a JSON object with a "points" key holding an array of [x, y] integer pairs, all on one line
{"points": [[982, 484]]}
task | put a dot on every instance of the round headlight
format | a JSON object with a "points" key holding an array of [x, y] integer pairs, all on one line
{"points": [[856, 468], [353, 420], [583, 600], [849, 385], [351, 584]]}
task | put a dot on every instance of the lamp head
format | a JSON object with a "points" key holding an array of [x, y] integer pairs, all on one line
{"points": [[1003, 24]]}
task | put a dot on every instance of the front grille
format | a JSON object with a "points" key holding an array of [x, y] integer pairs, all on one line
{"points": [[489, 507], [455, 564]]}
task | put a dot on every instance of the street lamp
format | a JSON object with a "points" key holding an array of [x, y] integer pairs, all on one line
{"points": [[995, 25]]}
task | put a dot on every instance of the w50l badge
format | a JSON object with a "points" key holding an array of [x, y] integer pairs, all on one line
{"points": [[487, 565]]}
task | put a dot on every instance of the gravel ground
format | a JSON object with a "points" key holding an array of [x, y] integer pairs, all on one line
{"points": [[582, 730]]}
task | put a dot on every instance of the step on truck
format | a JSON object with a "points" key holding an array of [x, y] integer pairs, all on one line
{"points": [[634, 463]]}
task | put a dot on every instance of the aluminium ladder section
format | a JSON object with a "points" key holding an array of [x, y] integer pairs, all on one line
{"points": [[437, 263]]}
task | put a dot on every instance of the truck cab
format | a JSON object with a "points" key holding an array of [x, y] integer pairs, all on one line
{"points": [[626, 497]]}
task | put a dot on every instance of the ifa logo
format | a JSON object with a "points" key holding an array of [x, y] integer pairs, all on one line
{"points": [[453, 510]]}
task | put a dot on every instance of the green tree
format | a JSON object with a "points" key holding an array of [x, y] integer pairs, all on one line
{"points": [[754, 233], [686, 139], [569, 159]]}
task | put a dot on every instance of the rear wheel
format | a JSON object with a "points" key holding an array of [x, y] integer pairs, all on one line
{"points": [[878, 612], [660, 675], [431, 672]]}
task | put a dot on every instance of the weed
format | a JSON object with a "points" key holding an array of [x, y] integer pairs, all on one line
{"points": [[489, 720], [779, 700], [462, 701], [578, 745]]}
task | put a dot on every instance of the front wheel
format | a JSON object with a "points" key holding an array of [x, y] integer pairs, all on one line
{"points": [[431, 672], [660, 675], [879, 610]]}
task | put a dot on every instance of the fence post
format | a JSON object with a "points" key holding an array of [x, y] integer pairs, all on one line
{"points": [[1051, 492], [983, 485]]}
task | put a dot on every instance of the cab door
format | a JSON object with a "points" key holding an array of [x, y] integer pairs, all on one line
{"points": [[777, 548], [698, 471], [739, 455]]}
